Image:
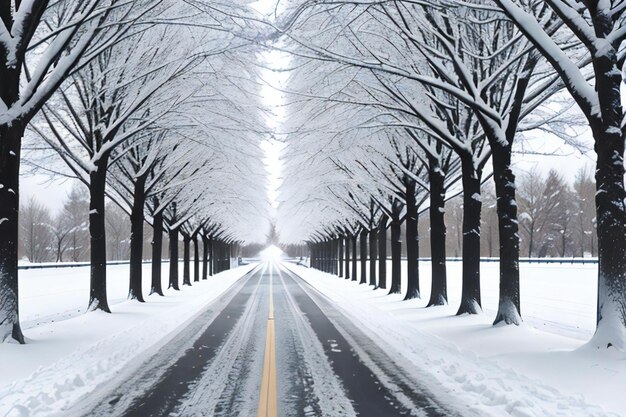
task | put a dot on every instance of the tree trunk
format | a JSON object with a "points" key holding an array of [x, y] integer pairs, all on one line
{"points": [[382, 252], [347, 266], [340, 254], [59, 257], [218, 257], [354, 257], [410, 223], [97, 230], [157, 250], [363, 255], [211, 257], [396, 255], [609, 138], [136, 240], [335, 256], [205, 257], [439, 290], [470, 296], [372, 249], [173, 235], [509, 304], [186, 259], [229, 255], [196, 259], [10, 146]]}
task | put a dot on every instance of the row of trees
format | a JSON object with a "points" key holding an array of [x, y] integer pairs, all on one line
{"points": [[399, 105], [153, 105], [556, 218], [64, 236], [551, 224]]}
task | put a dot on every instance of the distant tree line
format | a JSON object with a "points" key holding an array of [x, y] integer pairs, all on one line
{"points": [[556, 218], [64, 236]]}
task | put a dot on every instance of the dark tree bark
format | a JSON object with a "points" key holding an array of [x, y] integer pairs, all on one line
{"points": [[412, 252], [219, 254], [186, 259], [157, 250], [10, 146], [211, 257], [354, 257], [136, 240], [610, 210], [439, 291], [509, 305], [327, 258], [363, 255], [97, 230], [333, 256], [196, 259], [470, 297], [340, 254], [60, 250], [173, 236], [226, 258], [205, 257], [317, 256], [347, 266], [373, 249], [382, 252], [396, 250]]}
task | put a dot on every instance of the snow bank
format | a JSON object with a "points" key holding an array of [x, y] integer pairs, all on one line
{"points": [[64, 360], [536, 369]]}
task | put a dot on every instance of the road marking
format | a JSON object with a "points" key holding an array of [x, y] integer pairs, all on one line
{"points": [[267, 399]]}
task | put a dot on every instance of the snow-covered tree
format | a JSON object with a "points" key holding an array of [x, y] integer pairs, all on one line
{"points": [[41, 44], [600, 27]]}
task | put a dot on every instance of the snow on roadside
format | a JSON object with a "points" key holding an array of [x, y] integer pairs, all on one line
{"points": [[486, 370], [64, 360]]}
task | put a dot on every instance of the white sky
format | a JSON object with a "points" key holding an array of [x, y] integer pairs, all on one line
{"points": [[273, 61], [273, 98]]}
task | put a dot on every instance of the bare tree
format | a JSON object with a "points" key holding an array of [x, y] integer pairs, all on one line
{"points": [[117, 233], [36, 231], [546, 211], [585, 226], [74, 218]]}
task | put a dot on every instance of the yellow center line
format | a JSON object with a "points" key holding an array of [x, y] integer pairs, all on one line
{"points": [[267, 398]]}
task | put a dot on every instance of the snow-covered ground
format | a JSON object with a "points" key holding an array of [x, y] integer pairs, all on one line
{"points": [[69, 353], [542, 368]]}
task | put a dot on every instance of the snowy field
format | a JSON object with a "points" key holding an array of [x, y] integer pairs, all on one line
{"points": [[69, 353], [542, 368]]}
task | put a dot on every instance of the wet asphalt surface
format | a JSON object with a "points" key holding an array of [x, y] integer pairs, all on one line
{"points": [[214, 366]]}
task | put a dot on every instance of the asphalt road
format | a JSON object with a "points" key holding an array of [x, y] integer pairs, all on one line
{"points": [[271, 346]]}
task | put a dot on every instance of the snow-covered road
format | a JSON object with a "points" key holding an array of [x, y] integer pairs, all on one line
{"points": [[216, 366], [304, 343]]}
